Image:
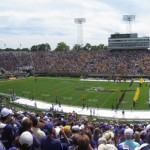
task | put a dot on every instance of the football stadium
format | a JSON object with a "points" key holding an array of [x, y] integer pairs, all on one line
{"points": [[76, 96]]}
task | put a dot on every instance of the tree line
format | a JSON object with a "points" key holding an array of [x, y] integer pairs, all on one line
{"points": [[62, 46]]}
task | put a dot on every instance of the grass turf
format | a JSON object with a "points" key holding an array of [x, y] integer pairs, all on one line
{"points": [[72, 91]]}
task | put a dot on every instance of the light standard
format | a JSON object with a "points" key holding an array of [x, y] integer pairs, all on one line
{"points": [[79, 22], [148, 44]]}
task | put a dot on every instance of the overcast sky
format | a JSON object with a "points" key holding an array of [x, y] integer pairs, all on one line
{"points": [[32, 22]]}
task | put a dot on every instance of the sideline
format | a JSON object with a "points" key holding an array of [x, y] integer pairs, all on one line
{"points": [[101, 113]]}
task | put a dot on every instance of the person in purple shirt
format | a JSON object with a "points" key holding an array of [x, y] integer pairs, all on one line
{"points": [[7, 136], [121, 136], [2, 125], [49, 142], [25, 142], [92, 142]]}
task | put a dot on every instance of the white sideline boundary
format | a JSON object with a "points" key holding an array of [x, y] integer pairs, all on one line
{"points": [[102, 80], [101, 113]]}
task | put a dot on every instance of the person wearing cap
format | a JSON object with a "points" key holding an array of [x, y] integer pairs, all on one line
{"points": [[75, 129], [25, 141], [67, 130], [26, 125], [108, 135], [7, 136], [129, 143]]}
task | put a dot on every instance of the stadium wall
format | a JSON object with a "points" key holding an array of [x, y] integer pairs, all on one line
{"points": [[92, 75]]}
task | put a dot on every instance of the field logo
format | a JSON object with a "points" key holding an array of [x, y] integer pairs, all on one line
{"points": [[96, 89]]}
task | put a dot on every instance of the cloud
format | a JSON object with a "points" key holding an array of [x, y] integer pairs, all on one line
{"points": [[36, 21]]}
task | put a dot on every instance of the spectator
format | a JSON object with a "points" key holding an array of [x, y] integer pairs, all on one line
{"points": [[25, 141], [96, 135], [121, 135], [2, 125], [128, 143], [92, 142], [74, 140], [50, 140], [26, 125], [37, 132], [8, 133], [108, 135], [83, 143], [107, 147], [102, 140], [137, 138], [68, 133]]}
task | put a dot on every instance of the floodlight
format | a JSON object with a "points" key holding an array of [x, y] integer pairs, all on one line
{"points": [[129, 19], [79, 22]]}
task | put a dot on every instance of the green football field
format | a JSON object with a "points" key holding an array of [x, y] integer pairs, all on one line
{"points": [[72, 91]]}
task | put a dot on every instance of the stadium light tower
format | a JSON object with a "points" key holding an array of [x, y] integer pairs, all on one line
{"points": [[79, 22], [149, 43], [129, 19]]}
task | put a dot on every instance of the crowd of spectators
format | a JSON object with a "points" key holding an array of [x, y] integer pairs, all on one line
{"points": [[102, 62], [30, 131]]}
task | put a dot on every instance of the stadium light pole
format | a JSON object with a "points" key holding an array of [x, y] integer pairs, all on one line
{"points": [[149, 44], [4, 46], [79, 22], [129, 19]]}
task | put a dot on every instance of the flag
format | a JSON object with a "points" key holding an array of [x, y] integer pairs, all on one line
{"points": [[141, 80], [137, 93]]}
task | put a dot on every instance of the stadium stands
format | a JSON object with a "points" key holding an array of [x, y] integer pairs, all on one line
{"points": [[79, 62], [68, 133]]}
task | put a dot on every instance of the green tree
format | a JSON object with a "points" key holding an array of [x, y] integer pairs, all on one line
{"points": [[25, 49], [62, 46], [34, 48], [102, 47], [8, 49], [99, 47], [87, 46], [77, 47], [41, 47], [94, 48]]}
